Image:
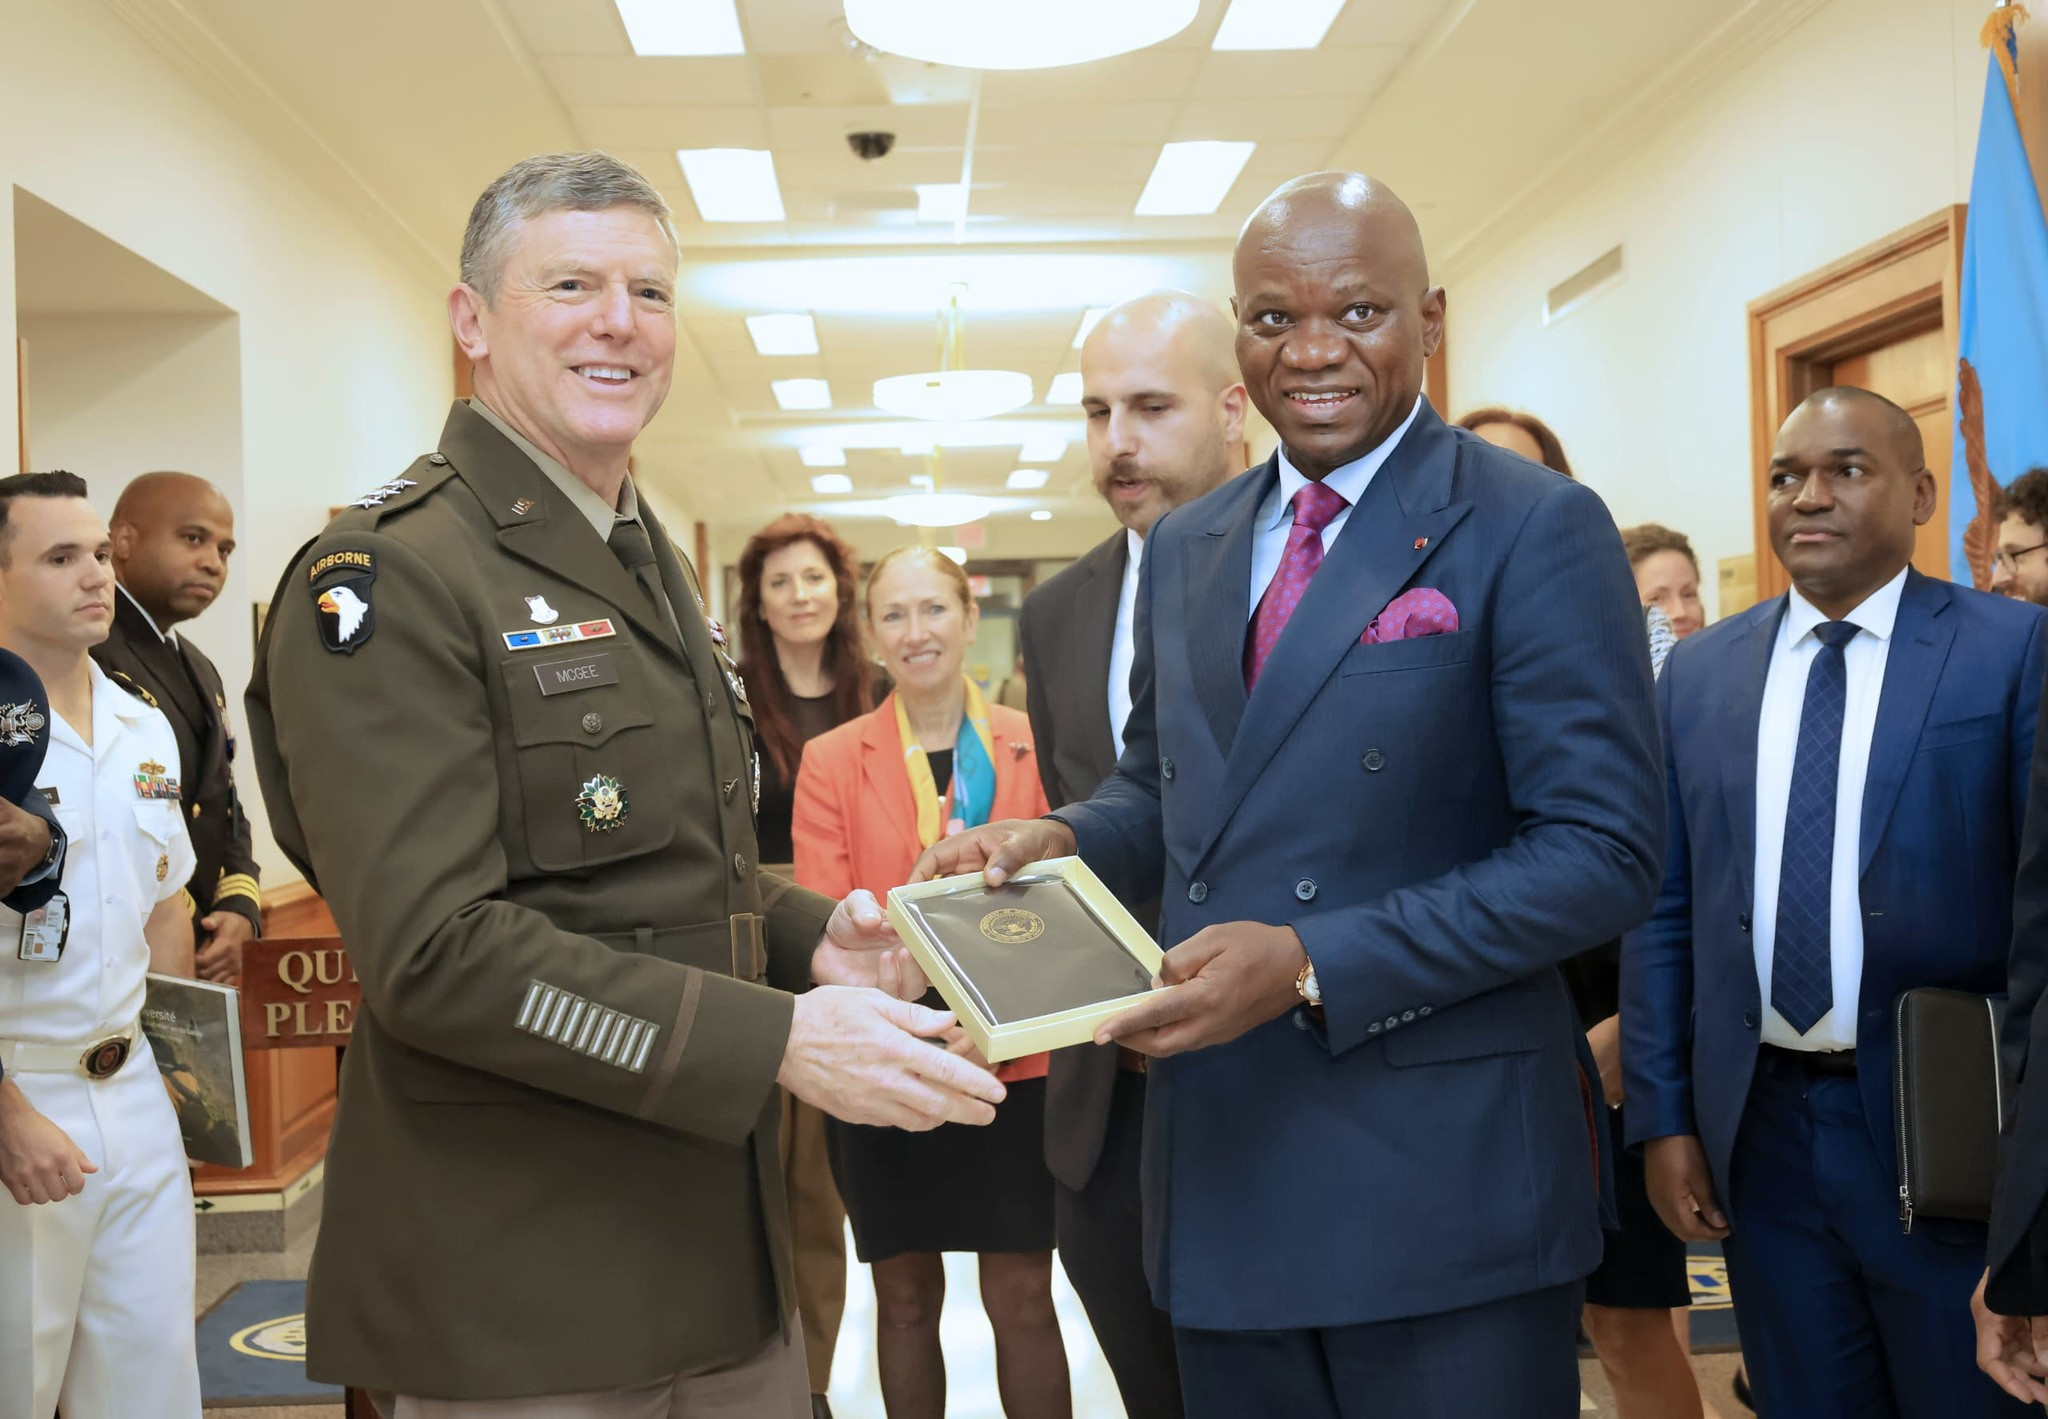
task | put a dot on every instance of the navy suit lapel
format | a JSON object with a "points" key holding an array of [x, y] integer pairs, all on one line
{"points": [[1921, 638], [1219, 586], [1400, 523], [1743, 713]]}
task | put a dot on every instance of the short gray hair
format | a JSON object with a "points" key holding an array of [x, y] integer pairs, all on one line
{"points": [[551, 182]]}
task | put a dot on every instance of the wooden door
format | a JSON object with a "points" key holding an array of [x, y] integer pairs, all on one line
{"points": [[1915, 372], [1883, 319]]}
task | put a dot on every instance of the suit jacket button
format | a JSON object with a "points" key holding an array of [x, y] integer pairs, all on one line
{"points": [[1392, 1021], [1743, 921], [1374, 761], [1425, 1010], [1198, 892], [1749, 1019], [1305, 890], [1300, 1015], [739, 865], [1407, 1017], [1166, 768], [1373, 1028], [593, 722]]}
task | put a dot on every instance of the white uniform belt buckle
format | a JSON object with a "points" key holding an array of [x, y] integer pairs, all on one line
{"points": [[104, 1060]]}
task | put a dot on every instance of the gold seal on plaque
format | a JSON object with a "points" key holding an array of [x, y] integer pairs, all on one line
{"points": [[1012, 926]]}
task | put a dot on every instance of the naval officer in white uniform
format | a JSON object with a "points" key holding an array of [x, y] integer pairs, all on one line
{"points": [[96, 1240]]}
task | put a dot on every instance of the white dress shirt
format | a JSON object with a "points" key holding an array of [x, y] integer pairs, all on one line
{"points": [[1122, 650], [1276, 513], [127, 853], [1777, 741]]}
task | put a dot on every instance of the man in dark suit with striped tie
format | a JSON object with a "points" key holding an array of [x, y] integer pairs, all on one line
{"points": [[1847, 776], [1165, 407]]}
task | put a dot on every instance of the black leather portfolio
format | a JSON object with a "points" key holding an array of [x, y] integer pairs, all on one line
{"points": [[1949, 1098]]}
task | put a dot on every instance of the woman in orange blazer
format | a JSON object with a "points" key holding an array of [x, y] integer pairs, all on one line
{"points": [[934, 758]]}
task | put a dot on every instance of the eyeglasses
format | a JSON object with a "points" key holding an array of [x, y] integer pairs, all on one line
{"points": [[2009, 562]]}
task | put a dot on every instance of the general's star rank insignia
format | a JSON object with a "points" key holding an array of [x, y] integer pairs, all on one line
{"points": [[602, 803], [20, 724]]}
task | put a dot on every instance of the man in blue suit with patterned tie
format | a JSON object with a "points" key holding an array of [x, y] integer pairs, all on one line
{"points": [[1847, 773], [1391, 757]]}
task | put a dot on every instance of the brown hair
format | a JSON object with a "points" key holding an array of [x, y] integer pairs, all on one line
{"points": [[852, 686], [2026, 496], [1650, 538], [1535, 428], [930, 556]]}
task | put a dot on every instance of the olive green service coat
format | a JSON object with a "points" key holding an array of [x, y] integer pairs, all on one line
{"points": [[553, 1166]]}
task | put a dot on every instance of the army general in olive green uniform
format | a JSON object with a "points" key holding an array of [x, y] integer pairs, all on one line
{"points": [[498, 732]]}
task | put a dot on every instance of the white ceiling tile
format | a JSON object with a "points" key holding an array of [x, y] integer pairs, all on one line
{"points": [[622, 80], [1147, 74], [569, 26], [1350, 71], [1077, 124], [665, 129]]}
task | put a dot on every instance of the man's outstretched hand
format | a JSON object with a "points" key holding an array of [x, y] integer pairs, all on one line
{"points": [[860, 948], [1219, 983], [865, 1058], [997, 850]]}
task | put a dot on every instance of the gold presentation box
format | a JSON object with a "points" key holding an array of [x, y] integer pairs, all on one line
{"points": [[1034, 964]]}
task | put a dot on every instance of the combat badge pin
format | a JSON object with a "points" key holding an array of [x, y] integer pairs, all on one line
{"points": [[602, 803], [543, 614], [163, 867], [20, 724]]}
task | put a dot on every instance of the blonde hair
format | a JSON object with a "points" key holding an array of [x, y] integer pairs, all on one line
{"points": [[931, 557]]}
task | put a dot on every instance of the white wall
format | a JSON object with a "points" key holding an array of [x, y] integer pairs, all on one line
{"points": [[342, 354], [1859, 122]]}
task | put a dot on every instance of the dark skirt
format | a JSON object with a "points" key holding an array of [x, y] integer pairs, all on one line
{"points": [[1644, 1266], [954, 1188]]}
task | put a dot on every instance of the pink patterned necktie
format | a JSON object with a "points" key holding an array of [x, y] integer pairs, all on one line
{"points": [[1314, 508]]}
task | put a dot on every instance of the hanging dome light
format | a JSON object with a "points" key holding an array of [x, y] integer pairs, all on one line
{"points": [[937, 509], [1015, 34], [953, 394]]}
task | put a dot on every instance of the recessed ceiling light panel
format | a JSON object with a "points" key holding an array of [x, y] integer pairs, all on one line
{"points": [[732, 184], [693, 27], [1008, 34], [822, 455], [1065, 388], [953, 394], [1276, 24], [802, 394], [783, 334], [1026, 478], [1192, 179], [831, 483]]}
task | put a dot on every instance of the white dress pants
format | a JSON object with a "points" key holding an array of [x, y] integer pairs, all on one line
{"points": [[105, 1279]]}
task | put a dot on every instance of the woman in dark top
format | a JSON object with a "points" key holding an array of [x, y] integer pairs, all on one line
{"points": [[1636, 1301], [800, 655]]}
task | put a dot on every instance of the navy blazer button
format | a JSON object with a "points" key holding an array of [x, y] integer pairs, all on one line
{"points": [[1305, 890], [1392, 1021], [1425, 1010], [1198, 892], [1749, 1019], [1743, 921], [1407, 1017], [1166, 768], [1374, 761], [1373, 1028], [1300, 1018]]}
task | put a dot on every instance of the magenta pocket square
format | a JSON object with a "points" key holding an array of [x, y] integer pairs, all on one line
{"points": [[1422, 611]]}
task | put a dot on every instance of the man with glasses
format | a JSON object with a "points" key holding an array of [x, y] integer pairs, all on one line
{"points": [[2020, 569]]}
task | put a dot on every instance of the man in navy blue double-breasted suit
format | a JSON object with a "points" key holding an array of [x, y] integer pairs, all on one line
{"points": [[1392, 757], [1847, 775]]}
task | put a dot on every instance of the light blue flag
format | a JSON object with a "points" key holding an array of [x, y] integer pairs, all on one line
{"points": [[2001, 399]]}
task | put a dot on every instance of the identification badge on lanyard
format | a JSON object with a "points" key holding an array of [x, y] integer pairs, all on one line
{"points": [[45, 930]]}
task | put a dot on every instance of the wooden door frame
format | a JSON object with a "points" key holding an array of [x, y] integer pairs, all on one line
{"points": [[1904, 283]]}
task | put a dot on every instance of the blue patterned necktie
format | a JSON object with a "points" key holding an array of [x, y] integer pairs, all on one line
{"points": [[1802, 956]]}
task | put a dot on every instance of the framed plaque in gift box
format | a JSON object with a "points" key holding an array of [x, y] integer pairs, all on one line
{"points": [[1034, 964]]}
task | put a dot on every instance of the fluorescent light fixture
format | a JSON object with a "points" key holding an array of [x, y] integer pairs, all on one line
{"points": [[937, 509], [1276, 24], [1064, 389], [1034, 282], [1044, 34], [822, 455], [802, 394], [956, 555], [1042, 448], [941, 201], [783, 334], [953, 394], [1192, 179], [732, 184], [831, 483], [682, 26], [1027, 478], [1041, 515], [919, 436], [1088, 320]]}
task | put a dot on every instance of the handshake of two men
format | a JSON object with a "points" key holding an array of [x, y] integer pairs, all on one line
{"points": [[853, 1044]]}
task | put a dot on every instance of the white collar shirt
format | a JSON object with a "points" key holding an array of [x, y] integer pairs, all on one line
{"points": [[1123, 647], [128, 851], [1276, 514], [1777, 743]]}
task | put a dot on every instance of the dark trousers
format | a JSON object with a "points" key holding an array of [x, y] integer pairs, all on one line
{"points": [[1843, 1315], [1100, 1233], [1511, 1359]]}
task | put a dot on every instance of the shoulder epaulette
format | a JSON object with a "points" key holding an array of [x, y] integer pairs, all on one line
{"points": [[427, 473], [127, 682]]}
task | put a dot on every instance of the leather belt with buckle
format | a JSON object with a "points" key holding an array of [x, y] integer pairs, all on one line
{"points": [[104, 1060]]}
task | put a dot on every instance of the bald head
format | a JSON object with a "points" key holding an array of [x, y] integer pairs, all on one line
{"points": [[1335, 316], [1165, 406], [172, 535]]}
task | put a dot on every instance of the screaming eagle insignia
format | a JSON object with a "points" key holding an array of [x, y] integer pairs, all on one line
{"points": [[20, 724], [602, 803]]}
